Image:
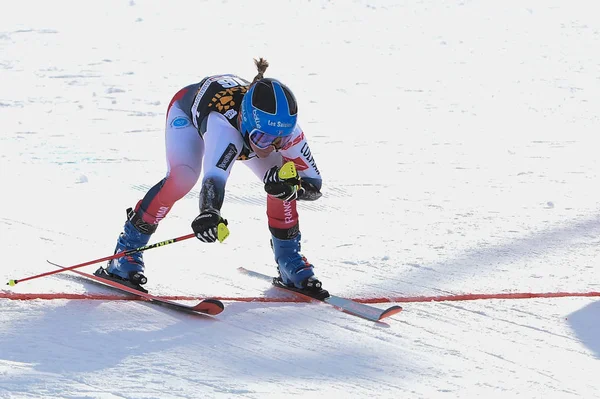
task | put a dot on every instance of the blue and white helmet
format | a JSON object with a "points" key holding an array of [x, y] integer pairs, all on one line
{"points": [[268, 114]]}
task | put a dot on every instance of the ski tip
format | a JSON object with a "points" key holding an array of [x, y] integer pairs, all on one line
{"points": [[210, 306], [390, 311], [12, 283]]}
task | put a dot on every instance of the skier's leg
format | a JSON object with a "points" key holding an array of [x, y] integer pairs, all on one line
{"points": [[184, 151], [284, 225]]}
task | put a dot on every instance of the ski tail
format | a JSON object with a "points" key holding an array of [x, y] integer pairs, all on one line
{"points": [[209, 306]]}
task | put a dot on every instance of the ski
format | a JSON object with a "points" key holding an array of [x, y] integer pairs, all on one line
{"points": [[349, 306], [207, 306]]}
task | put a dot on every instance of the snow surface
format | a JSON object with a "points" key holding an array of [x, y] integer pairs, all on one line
{"points": [[458, 144]]}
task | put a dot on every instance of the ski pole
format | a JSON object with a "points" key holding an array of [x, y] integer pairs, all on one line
{"points": [[115, 256]]}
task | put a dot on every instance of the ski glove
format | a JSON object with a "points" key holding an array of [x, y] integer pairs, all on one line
{"points": [[282, 183], [209, 226], [309, 191]]}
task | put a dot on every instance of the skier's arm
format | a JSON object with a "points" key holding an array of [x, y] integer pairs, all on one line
{"points": [[209, 224], [212, 193], [310, 177], [222, 146]]}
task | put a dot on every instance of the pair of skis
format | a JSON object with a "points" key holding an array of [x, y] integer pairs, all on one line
{"points": [[213, 307]]}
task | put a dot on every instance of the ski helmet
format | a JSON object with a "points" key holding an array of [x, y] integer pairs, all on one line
{"points": [[268, 113]]}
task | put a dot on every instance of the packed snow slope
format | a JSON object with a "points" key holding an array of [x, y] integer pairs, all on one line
{"points": [[458, 144]]}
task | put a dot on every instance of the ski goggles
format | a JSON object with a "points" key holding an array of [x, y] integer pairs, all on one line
{"points": [[264, 140]]}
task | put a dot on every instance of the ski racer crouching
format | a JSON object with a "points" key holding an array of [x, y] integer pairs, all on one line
{"points": [[210, 125]]}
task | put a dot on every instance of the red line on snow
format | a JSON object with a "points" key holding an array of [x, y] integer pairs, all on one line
{"points": [[407, 299], [472, 297]]}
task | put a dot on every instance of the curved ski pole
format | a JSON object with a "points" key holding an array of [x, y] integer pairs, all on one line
{"points": [[107, 258]]}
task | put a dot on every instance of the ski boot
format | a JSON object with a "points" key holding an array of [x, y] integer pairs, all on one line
{"points": [[129, 269], [294, 270]]}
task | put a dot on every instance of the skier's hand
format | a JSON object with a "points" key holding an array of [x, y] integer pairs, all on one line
{"points": [[283, 183], [209, 226]]}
